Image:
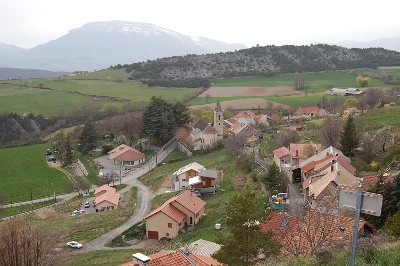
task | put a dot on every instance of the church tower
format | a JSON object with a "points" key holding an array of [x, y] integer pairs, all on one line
{"points": [[219, 120]]}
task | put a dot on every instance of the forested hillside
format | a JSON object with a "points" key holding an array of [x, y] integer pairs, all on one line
{"points": [[260, 61]]}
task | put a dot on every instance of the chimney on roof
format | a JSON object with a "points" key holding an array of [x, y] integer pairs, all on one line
{"points": [[140, 259]]}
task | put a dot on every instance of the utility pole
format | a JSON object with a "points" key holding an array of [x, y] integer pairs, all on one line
{"points": [[356, 221]]}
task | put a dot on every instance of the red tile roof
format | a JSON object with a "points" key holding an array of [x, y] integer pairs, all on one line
{"points": [[178, 258], [190, 201], [125, 153], [130, 155], [371, 180], [311, 165], [308, 109], [342, 161], [109, 196], [168, 209], [185, 199], [281, 152], [103, 189]]}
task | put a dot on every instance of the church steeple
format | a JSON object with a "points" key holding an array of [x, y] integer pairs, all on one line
{"points": [[219, 120], [218, 107]]}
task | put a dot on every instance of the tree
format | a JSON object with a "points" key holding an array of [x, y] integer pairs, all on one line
{"points": [[390, 205], [181, 114], [66, 152], [245, 244], [88, 137], [159, 120], [23, 243], [329, 131], [235, 144], [363, 81], [273, 177], [373, 97], [349, 138], [299, 81], [350, 102]]}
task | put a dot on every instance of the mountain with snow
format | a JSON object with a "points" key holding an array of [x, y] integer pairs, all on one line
{"points": [[98, 45], [387, 43]]}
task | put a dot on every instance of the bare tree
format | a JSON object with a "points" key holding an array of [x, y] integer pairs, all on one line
{"points": [[80, 184], [311, 232], [23, 243], [183, 135], [373, 97], [330, 131], [109, 177], [235, 144]]}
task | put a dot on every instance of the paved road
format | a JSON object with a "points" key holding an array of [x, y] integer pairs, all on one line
{"points": [[142, 208]]}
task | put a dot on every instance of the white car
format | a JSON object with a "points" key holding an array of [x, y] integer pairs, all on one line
{"points": [[74, 244]]}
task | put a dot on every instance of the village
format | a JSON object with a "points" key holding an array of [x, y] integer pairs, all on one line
{"points": [[303, 205]]}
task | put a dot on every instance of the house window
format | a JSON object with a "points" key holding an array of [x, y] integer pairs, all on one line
{"points": [[183, 179], [167, 234], [169, 225]]}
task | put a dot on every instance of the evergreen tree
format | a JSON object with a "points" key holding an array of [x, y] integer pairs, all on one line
{"points": [[161, 119], [181, 113], [349, 138], [245, 242], [272, 178], [88, 137], [66, 152]]}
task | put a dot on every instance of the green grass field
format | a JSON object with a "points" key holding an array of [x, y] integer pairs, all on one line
{"points": [[24, 169], [316, 82], [20, 96], [21, 99], [378, 72], [379, 118]]}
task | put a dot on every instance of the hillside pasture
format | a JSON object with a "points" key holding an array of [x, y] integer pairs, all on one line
{"points": [[316, 82], [21, 99], [25, 172]]}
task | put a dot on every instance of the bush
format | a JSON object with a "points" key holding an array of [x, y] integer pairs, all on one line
{"points": [[107, 148]]}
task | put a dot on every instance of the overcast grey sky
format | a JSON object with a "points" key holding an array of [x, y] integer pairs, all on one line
{"points": [[27, 23]]}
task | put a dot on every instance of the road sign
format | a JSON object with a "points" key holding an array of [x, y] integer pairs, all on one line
{"points": [[371, 203]]}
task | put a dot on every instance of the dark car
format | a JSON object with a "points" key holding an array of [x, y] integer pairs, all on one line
{"points": [[165, 239], [48, 152], [52, 159]]}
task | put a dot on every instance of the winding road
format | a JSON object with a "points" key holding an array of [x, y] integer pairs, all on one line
{"points": [[143, 202]]}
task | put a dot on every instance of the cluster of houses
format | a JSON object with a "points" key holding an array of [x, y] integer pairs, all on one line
{"points": [[205, 134], [186, 208], [106, 198]]}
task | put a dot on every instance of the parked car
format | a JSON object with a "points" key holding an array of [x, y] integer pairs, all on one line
{"points": [[76, 213], [74, 244], [52, 159], [87, 204], [280, 195], [48, 152]]}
